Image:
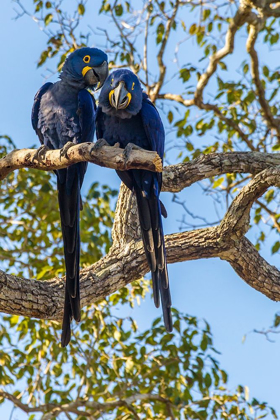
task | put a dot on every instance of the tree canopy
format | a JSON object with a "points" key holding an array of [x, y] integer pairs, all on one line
{"points": [[222, 125]]}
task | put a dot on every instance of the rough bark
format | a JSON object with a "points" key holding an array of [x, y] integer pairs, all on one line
{"points": [[126, 259], [110, 157]]}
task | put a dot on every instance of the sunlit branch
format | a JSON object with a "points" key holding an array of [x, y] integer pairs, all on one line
{"points": [[113, 157], [43, 299]]}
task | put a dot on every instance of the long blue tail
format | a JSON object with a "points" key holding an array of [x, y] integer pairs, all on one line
{"points": [[149, 210], [69, 185]]}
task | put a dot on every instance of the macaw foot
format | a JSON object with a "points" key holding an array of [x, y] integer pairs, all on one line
{"points": [[98, 144], [65, 148], [40, 154], [128, 149]]}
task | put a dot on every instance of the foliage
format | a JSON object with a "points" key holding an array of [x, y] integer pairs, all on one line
{"points": [[110, 370], [32, 245], [152, 38]]}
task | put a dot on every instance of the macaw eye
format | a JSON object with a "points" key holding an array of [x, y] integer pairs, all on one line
{"points": [[112, 81], [86, 59], [133, 84]]}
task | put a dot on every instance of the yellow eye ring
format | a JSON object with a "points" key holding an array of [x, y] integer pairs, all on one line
{"points": [[133, 84], [86, 59], [112, 81]]}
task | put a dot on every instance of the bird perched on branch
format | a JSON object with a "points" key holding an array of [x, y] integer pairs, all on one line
{"points": [[63, 114], [126, 115]]}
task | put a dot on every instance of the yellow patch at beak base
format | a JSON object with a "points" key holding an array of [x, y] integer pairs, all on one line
{"points": [[85, 70], [110, 96], [129, 98], [111, 102]]}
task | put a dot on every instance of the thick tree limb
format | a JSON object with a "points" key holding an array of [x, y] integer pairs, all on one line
{"points": [[126, 259], [177, 177], [110, 157]]}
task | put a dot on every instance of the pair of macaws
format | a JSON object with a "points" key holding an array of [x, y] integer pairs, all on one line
{"points": [[65, 112]]}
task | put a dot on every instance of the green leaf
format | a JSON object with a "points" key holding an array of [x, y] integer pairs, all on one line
{"points": [[81, 9], [193, 29], [218, 182], [208, 380], [48, 19], [275, 247], [265, 71], [222, 65], [170, 116], [119, 10]]}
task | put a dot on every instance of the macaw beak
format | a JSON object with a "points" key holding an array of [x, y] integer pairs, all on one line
{"points": [[96, 75], [119, 97]]}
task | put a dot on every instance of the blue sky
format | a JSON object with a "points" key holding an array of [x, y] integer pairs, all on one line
{"points": [[208, 289]]}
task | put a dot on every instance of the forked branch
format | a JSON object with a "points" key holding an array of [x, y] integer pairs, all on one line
{"points": [[126, 259]]}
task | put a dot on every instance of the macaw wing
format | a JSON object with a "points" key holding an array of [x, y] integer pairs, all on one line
{"points": [[98, 123], [36, 108], [86, 112], [153, 126], [154, 129]]}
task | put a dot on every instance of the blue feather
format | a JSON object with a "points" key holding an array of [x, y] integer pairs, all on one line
{"points": [[132, 118], [63, 112]]}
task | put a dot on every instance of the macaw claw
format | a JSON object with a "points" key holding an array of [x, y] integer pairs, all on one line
{"points": [[65, 148], [40, 154], [98, 144], [128, 149]]}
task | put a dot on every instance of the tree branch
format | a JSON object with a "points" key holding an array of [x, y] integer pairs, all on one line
{"points": [[177, 177], [108, 156], [243, 15], [254, 30], [126, 259], [54, 409], [209, 107], [162, 67]]}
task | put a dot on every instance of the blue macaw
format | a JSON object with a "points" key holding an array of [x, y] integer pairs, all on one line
{"points": [[126, 115], [64, 113]]}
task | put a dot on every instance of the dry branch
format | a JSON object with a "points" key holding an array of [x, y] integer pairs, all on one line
{"points": [[177, 177], [126, 259], [53, 409], [108, 156], [254, 30], [243, 15]]}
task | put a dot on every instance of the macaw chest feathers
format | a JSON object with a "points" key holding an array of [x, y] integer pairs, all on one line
{"points": [[124, 131]]}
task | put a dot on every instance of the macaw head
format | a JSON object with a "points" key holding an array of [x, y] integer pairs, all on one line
{"points": [[121, 94], [86, 67]]}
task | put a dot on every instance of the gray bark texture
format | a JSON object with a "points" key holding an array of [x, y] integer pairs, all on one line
{"points": [[126, 259]]}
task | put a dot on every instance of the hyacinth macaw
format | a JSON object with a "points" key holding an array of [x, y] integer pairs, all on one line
{"points": [[64, 112], [126, 115]]}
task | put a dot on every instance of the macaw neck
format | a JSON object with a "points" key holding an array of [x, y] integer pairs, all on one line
{"points": [[123, 114], [72, 83]]}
